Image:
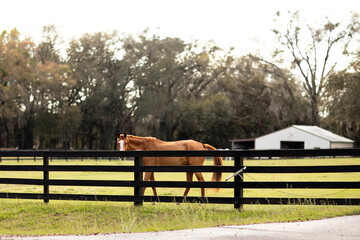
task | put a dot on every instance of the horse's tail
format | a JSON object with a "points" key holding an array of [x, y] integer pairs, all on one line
{"points": [[218, 161]]}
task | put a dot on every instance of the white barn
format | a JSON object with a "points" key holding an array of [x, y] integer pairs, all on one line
{"points": [[295, 137]]}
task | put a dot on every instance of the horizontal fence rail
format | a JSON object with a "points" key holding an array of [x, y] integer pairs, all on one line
{"points": [[238, 184], [249, 169], [195, 153]]}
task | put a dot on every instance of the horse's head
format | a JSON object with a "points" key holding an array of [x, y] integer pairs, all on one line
{"points": [[122, 142]]}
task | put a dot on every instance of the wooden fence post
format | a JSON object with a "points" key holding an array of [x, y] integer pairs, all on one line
{"points": [[46, 179], [138, 178], [238, 180]]}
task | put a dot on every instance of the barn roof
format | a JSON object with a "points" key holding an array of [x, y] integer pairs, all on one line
{"points": [[322, 133]]}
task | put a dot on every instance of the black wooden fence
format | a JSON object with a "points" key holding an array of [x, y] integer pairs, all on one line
{"points": [[237, 184]]}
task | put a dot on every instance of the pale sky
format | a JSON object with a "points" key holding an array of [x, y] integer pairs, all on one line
{"points": [[245, 25]]}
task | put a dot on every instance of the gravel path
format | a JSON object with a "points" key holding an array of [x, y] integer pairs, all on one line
{"points": [[347, 227]]}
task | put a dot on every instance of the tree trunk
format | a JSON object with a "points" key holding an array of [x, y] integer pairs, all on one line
{"points": [[315, 111], [28, 134]]}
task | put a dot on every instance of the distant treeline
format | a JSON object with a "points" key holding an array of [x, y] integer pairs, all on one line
{"points": [[78, 97]]}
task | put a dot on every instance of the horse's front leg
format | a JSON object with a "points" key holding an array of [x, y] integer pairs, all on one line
{"points": [[150, 176]]}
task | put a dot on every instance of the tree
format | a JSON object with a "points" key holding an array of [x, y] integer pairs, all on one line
{"points": [[9, 91], [158, 79], [315, 51], [68, 123], [343, 101], [259, 100], [167, 73], [18, 81], [207, 120], [47, 51], [31, 88], [101, 88]]}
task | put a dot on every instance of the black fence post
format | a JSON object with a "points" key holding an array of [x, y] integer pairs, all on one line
{"points": [[238, 180], [138, 178], [46, 179]]}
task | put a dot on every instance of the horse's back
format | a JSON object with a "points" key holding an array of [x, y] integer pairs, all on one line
{"points": [[158, 145]]}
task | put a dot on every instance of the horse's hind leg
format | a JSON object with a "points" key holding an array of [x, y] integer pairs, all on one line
{"points": [[200, 177], [189, 178], [152, 178]]}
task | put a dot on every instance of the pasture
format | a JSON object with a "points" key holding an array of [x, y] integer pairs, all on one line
{"points": [[33, 217]]}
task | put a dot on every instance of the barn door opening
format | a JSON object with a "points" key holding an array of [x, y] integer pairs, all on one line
{"points": [[291, 145]]}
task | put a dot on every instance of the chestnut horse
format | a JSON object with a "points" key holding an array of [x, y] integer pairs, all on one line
{"points": [[129, 142]]}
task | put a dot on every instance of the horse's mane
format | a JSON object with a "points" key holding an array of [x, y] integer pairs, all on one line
{"points": [[143, 138]]}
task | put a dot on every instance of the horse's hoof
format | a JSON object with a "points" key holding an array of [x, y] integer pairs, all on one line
{"points": [[178, 203], [154, 203]]}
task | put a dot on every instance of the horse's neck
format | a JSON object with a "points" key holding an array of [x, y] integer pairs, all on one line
{"points": [[138, 143]]}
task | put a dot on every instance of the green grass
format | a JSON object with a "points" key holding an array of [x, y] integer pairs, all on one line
{"points": [[33, 217], [22, 217]]}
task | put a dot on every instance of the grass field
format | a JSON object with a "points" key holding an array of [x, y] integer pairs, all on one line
{"points": [[33, 217]]}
